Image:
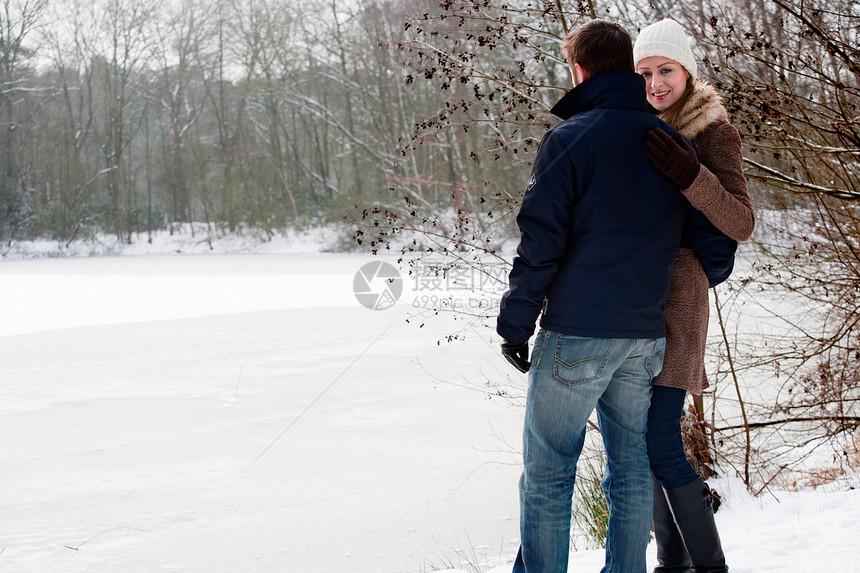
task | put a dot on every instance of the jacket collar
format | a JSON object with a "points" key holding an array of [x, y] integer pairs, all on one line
{"points": [[609, 90], [703, 108]]}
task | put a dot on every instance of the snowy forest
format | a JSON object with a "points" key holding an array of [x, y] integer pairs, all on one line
{"points": [[125, 116], [412, 124]]}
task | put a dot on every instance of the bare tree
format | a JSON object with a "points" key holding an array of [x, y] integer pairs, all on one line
{"points": [[180, 105], [119, 45], [75, 178], [18, 20], [788, 70]]}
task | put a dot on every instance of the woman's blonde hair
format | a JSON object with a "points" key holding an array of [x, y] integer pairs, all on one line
{"points": [[673, 113]]}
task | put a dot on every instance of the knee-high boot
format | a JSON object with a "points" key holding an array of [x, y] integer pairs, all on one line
{"points": [[671, 554], [692, 508]]}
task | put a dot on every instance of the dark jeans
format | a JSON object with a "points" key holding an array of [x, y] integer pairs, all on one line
{"points": [[665, 447]]}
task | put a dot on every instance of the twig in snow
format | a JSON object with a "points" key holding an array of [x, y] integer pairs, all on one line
{"points": [[99, 535]]}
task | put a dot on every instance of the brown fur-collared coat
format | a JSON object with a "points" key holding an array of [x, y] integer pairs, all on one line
{"points": [[720, 192]]}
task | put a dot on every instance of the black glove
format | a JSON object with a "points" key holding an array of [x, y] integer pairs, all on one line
{"points": [[672, 156], [517, 353]]}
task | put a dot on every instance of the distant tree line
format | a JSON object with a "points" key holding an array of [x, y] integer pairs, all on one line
{"points": [[126, 116]]}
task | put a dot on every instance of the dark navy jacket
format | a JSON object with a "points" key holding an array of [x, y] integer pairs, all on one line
{"points": [[715, 251], [600, 226]]}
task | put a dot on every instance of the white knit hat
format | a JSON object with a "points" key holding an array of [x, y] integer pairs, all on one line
{"points": [[665, 38]]}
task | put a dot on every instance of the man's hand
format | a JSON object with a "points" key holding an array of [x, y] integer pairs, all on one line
{"points": [[672, 156], [517, 353]]}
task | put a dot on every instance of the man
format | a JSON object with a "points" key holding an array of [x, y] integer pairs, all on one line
{"points": [[600, 233]]}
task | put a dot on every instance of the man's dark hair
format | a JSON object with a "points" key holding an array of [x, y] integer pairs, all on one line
{"points": [[599, 47]]}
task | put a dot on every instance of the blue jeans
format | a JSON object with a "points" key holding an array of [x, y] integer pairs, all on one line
{"points": [[665, 445], [571, 376]]}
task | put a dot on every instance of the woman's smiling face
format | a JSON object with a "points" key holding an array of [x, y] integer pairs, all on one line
{"points": [[665, 80]]}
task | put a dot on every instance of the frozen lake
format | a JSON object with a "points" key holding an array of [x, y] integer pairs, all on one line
{"points": [[138, 393]]}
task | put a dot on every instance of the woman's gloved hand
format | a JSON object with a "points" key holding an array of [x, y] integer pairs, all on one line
{"points": [[672, 156]]}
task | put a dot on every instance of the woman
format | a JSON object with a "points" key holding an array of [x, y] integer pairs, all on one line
{"points": [[711, 178]]}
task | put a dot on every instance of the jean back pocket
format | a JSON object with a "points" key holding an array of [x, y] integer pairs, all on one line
{"points": [[579, 360]]}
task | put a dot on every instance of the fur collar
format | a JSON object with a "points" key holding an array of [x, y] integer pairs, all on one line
{"points": [[705, 107]]}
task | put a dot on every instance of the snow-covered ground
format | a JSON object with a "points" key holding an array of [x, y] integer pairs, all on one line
{"points": [[228, 413]]}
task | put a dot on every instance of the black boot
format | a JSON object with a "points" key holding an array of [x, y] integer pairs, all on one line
{"points": [[691, 506], [671, 554]]}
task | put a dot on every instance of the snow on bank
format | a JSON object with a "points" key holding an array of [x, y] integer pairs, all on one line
{"points": [[186, 240], [785, 532]]}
